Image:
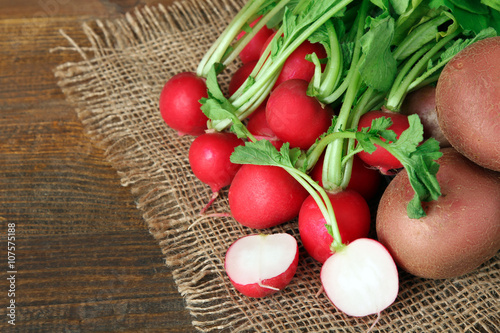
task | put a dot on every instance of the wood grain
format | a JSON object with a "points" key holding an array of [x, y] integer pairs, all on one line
{"points": [[84, 259]]}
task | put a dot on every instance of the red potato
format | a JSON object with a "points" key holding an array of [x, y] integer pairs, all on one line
{"points": [[361, 279], [423, 103], [364, 179], [264, 196], [179, 103], [261, 265], [381, 158], [461, 230], [353, 219], [251, 51], [209, 158], [468, 102], [295, 117]]}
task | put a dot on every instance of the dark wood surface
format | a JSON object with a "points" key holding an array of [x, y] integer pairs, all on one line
{"points": [[84, 260]]}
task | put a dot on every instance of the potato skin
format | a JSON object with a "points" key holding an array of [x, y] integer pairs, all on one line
{"points": [[468, 102], [423, 103], [461, 230]]}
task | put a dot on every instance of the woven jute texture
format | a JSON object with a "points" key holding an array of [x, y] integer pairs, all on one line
{"points": [[115, 90]]}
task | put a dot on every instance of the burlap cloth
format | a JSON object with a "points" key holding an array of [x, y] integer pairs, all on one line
{"points": [[115, 89]]}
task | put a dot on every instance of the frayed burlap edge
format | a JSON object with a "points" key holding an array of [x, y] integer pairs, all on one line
{"points": [[115, 89]]}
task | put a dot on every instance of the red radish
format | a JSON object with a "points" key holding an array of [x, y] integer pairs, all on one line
{"points": [[295, 117], [297, 67], [266, 43], [209, 159], [240, 76], [257, 122], [381, 158], [261, 265], [361, 279], [252, 50], [258, 126], [353, 219], [264, 196], [364, 179], [179, 103]]}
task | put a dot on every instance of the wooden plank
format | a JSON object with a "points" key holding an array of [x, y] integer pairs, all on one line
{"points": [[26, 64], [84, 259], [55, 180], [106, 281], [33, 9]]}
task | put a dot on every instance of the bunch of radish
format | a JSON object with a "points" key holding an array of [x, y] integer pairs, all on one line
{"points": [[324, 104]]}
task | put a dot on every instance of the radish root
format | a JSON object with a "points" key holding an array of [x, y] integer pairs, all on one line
{"points": [[320, 291], [374, 323], [268, 287], [206, 216], [210, 202]]}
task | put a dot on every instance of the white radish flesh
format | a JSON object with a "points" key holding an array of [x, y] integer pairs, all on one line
{"points": [[259, 265], [361, 279]]}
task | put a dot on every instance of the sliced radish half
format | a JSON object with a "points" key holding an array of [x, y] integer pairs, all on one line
{"points": [[260, 265], [361, 279]]}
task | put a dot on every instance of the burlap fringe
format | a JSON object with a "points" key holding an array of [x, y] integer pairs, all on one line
{"points": [[115, 88]]}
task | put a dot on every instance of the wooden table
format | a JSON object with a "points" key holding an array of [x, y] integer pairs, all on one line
{"points": [[83, 259]]}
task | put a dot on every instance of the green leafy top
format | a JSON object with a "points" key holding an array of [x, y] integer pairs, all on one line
{"points": [[298, 24], [378, 51], [419, 160], [378, 66], [473, 15], [264, 153]]}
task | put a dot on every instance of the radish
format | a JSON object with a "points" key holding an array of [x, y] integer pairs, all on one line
{"points": [[257, 123], [262, 196], [251, 52], [258, 126], [303, 20], [295, 117], [267, 42], [376, 56], [364, 179], [361, 279], [209, 158], [260, 265], [240, 76], [297, 66], [179, 103], [381, 158], [353, 219]]}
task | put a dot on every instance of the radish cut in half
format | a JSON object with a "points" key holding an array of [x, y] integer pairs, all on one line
{"points": [[260, 265], [361, 279]]}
